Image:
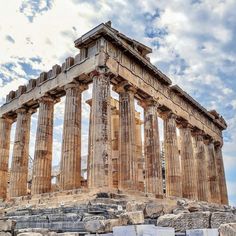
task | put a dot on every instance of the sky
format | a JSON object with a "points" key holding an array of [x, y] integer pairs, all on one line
{"points": [[193, 42]]}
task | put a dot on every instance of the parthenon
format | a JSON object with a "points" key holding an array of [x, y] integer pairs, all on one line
{"points": [[112, 61]]}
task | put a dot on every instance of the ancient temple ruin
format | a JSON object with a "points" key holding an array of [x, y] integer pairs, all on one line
{"points": [[111, 60]]}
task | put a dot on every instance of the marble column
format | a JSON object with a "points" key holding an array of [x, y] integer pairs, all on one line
{"points": [[213, 181], [71, 141], [171, 153], [128, 167], [42, 167], [153, 163], [101, 162], [189, 183], [20, 158], [5, 131], [201, 166], [221, 174]]}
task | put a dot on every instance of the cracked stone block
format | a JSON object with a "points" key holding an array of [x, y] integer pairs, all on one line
{"points": [[185, 221], [219, 218]]}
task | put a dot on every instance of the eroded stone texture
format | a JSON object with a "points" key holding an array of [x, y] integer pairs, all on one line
{"points": [[41, 179], [20, 159], [128, 175], [173, 171], [70, 177], [5, 130], [189, 183], [153, 170], [201, 166], [227, 229], [100, 159], [213, 179], [185, 221], [221, 174]]}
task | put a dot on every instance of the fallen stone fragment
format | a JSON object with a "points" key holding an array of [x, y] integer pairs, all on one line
{"points": [[135, 206], [7, 225], [219, 218], [132, 218], [95, 226], [227, 229], [185, 221], [153, 210]]}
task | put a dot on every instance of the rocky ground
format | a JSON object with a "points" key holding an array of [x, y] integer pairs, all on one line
{"points": [[84, 212]]}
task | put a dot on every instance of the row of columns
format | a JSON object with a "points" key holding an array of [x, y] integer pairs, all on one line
{"points": [[198, 175]]}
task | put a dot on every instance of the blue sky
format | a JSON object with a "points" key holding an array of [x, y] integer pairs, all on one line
{"points": [[193, 43]]}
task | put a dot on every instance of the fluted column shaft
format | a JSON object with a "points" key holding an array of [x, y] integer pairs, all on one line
{"points": [[101, 162], [71, 141], [5, 130], [221, 174], [128, 161], [201, 166], [189, 183], [172, 160], [153, 169], [20, 158], [42, 167], [213, 180]]}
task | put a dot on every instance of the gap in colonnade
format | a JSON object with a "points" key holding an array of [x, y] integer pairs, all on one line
{"points": [[85, 117], [58, 119], [12, 138]]}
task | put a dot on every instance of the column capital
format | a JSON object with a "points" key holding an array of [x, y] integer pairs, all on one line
{"points": [[124, 87], [77, 85], [218, 144], [197, 132], [149, 102], [7, 118], [168, 114], [26, 110], [207, 139], [183, 124], [46, 98], [100, 70]]}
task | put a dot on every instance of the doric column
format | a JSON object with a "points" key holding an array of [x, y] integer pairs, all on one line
{"points": [[171, 152], [153, 167], [42, 167], [201, 166], [5, 130], [20, 158], [221, 174], [189, 183], [213, 180], [127, 154], [71, 141], [101, 162]]}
